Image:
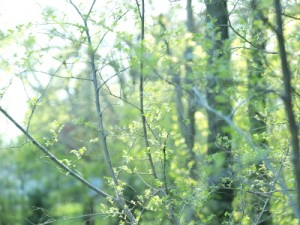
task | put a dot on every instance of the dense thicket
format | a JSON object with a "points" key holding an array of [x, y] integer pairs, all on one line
{"points": [[138, 115]]}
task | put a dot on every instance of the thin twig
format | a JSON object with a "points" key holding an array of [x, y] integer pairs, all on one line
{"points": [[39, 99], [141, 90], [233, 8], [246, 40], [91, 54], [63, 77], [112, 25], [139, 8], [290, 16], [164, 165], [201, 101], [91, 8], [144, 121]]}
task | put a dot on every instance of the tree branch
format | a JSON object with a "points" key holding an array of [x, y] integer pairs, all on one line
{"points": [[56, 160], [91, 55], [141, 90], [288, 102]]}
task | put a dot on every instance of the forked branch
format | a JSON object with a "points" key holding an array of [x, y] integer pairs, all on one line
{"points": [[93, 69]]}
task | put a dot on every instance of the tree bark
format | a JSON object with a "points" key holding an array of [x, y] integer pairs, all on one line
{"points": [[89, 217], [257, 104], [288, 103], [185, 111], [219, 138], [189, 128]]}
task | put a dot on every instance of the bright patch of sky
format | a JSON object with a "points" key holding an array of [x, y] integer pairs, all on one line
{"points": [[15, 12], [12, 13]]}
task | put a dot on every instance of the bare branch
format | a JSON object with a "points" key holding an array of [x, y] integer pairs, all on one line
{"points": [[91, 55], [141, 90], [112, 25], [36, 103], [63, 77], [91, 8], [290, 16], [78, 11], [139, 8], [249, 42]]}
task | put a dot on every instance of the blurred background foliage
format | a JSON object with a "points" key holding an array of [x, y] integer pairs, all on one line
{"points": [[52, 63]]}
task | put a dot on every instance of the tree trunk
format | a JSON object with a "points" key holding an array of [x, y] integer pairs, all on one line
{"points": [[188, 128], [257, 103], [288, 103], [185, 112], [218, 97], [89, 217]]}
